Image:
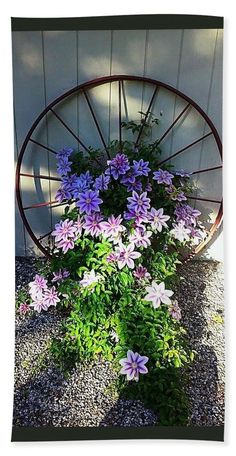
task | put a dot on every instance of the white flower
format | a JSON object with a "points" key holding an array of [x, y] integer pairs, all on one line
{"points": [[158, 219], [157, 294], [180, 232], [90, 278], [126, 256]]}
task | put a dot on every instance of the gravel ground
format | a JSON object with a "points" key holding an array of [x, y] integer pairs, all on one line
{"points": [[45, 396]]}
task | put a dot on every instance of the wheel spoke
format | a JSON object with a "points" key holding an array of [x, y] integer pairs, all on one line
{"points": [[96, 123], [73, 134], [203, 199], [43, 146], [206, 170], [44, 236], [185, 148], [171, 126], [120, 132], [40, 176], [146, 115], [49, 203]]}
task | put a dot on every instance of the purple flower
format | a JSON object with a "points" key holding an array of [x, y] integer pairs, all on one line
{"points": [[89, 202], [163, 177], [65, 244], [119, 165], [63, 166], [68, 182], [133, 365], [60, 275], [24, 308], [174, 310], [141, 167], [158, 219], [135, 186], [62, 195], [139, 219], [112, 257], [187, 214], [51, 297], [178, 196], [129, 177], [139, 203], [37, 286], [101, 182], [157, 294], [148, 187], [196, 235], [64, 153], [140, 237], [92, 224], [112, 227], [39, 304], [64, 230], [141, 273], [126, 256]]}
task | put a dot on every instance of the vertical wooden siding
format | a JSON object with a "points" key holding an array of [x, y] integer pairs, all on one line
{"points": [[46, 64]]}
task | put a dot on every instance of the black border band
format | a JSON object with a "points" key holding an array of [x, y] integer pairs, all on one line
{"points": [[35, 434], [133, 22]]}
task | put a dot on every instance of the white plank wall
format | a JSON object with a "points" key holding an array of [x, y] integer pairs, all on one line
{"points": [[46, 64]]}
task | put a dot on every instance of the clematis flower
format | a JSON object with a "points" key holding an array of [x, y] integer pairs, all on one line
{"points": [[92, 224], [62, 195], [187, 214], [38, 285], [126, 256], [118, 166], [89, 202], [180, 232], [158, 219], [157, 294], [90, 278], [138, 203], [112, 227], [139, 219], [63, 166], [140, 237], [39, 304], [64, 230], [135, 186], [163, 177], [78, 225], [24, 308], [133, 365], [102, 182], [58, 276], [141, 167], [65, 152], [182, 173], [174, 310], [141, 273], [51, 297], [65, 244], [129, 177]]}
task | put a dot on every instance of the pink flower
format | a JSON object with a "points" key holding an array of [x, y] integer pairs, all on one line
{"points": [[133, 365], [141, 272], [64, 230], [92, 224], [112, 228], [180, 232], [24, 308], [51, 297], [157, 294], [39, 304], [126, 256], [174, 310], [140, 237], [37, 286], [65, 244], [158, 219]]}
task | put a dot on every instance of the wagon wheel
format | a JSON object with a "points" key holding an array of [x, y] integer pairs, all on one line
{"points": [[91, 114]]}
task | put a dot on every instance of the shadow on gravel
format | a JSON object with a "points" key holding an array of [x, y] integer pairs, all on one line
{"points": [[200, 294]]}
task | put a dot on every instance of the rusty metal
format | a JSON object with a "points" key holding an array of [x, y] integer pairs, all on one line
{"points": [[43, 146], [97, 82], [41, 176], [96, 122], [205, 170]]}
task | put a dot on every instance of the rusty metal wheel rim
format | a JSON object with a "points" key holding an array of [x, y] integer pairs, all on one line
{"points": [[83, 89]]}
